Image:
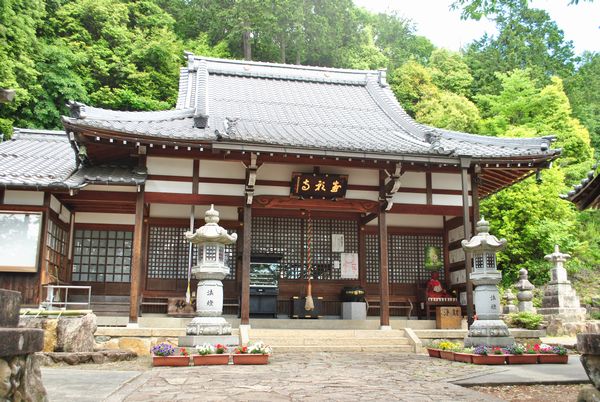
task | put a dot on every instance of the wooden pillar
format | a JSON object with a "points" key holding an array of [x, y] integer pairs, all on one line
{"points": [[384, 291], [245, 291], [362, 256], [475, 199], [43, 254], [136, 262], [446, 254], [465, 164]]}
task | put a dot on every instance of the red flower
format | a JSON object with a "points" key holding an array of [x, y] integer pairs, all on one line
{"points": [[536, 347]]}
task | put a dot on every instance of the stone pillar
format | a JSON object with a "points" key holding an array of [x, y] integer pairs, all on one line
{"points": [[589, 347], [560, 301], [20, 376], [525, 295], [509, 307], [488, 329]]}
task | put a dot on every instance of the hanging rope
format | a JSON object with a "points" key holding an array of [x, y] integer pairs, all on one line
{"points": [[188, 296], [309, 305]]}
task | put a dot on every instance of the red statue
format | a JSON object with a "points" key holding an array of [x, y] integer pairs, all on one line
{"points": [[434, 287]]}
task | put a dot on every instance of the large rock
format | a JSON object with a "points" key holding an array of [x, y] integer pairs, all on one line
{"points": [[21, 379], [76, 334], [141, 346], [49, 325], [589, 347], [10, 304], [557, 327]]}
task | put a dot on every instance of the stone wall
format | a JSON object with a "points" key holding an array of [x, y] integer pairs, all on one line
{"points": [[138, 340], [65, 334], [20, 376]]}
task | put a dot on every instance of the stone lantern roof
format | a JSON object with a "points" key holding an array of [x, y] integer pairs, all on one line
{"points": [[211, 232], [483, 240]]}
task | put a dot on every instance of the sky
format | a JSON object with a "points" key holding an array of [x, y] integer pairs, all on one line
{"points": [[434, 20]]}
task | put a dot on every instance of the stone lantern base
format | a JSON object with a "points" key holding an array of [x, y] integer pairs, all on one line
{"points": [[208, 326], [489, 333]]}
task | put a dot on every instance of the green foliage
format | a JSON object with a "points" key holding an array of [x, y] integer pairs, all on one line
{"points": [[595, 315], [584, 94], [524, 319], [448, 110], [527, 38], [450, 72]]}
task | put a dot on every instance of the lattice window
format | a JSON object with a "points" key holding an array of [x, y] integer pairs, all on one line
{"points": [[168, 253], [372, 257], [56, 258], [287, 237], [407, 257], [102, 255]]}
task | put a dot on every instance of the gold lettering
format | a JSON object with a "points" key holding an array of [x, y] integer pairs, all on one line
{"points": [[335, 186], [305, 185], [320, 186]]}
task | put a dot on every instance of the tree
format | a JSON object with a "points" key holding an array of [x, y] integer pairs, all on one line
{"points": [[475, 9], [527, 38], [395, 37], [19, 21], [523, 106], [583, 89], [450, 72], [126, 52], [450, 111], [412, 83]]}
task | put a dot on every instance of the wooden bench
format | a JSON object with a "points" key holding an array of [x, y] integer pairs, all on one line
{"points": [[396, 303]]}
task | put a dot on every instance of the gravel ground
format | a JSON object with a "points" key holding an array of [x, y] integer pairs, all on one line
{"points": [[546, 393]]}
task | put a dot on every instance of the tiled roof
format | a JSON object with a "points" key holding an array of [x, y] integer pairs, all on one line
{"points": [[302, 107], [586, 194], [107, 174], [36, 158], [45, 159]]}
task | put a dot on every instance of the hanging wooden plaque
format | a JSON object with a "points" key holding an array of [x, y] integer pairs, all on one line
{"points": [[317, 185]]}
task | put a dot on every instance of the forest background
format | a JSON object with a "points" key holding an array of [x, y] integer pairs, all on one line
{"points": [[524, 81]]}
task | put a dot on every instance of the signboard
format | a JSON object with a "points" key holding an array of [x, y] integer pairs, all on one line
{"points": [[318, 185], [337, 243], [349, 266]]}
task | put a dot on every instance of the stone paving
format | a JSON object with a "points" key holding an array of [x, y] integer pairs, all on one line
{"points": [[310, 377]]}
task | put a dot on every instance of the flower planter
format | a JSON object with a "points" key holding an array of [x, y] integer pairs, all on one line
{"points": [[173, 361], [433, 352], [250, 359], [447, 355], [546, 358], [210, 360], [522, 359], [489, 359], [463, 357]]}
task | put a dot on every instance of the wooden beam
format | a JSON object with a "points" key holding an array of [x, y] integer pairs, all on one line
{"points": [[465, 164], [384, 291], [367, 218], [247, 242], [422, 209], [193, 199], [475, 198]]}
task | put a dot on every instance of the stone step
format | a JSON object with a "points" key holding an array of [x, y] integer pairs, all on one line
{"points": [[332, 341], [334, 333], [342, 348]]}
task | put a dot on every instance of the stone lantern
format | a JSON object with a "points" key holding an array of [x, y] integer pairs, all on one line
{"points": [[488, 329], [210, 271]]}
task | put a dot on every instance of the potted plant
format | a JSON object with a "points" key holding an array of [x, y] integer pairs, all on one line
{"points": [[517, 355], [257, 353], [433, 348], [464, 355], [488, 355], [209, 355], [447, 349], [553, 354], [164, 354]]}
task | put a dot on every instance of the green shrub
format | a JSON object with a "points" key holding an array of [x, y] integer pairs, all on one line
{"points": [[524, 320], [595, 315]]}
